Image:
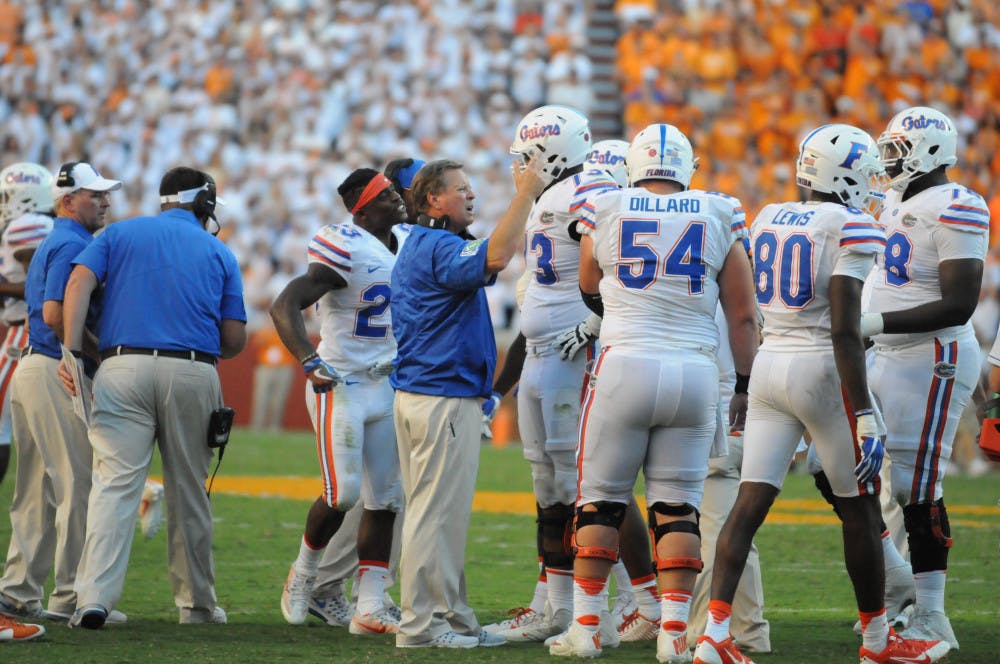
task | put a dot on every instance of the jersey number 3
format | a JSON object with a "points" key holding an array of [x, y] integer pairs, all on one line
{"points": [[378, 295], [788, 262], [683, 260]]}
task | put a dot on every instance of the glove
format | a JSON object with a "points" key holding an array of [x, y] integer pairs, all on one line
{"points": [[870, 444], [315, 367], [489, 412], [871, 324], [570, 341], [381, 369]]}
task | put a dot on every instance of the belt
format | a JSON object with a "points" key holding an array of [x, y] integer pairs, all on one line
{"points": [[193, 355], [28, 350]]}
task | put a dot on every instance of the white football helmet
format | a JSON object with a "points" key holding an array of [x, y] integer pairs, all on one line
{"points": [[660, 152], [610, 156], [560, 133], [24, 187], [917, 140], [842, 160]]}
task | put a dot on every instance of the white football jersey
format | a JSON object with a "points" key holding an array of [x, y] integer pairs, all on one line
{"points": [[942, 223], [552, 300], [355, 322], [661, 255], [25, 232], [795, 249]]}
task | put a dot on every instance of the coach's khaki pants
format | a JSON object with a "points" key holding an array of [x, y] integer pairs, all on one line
{"points": [[48, 514], [138, 398], [748, 626], [438, 440]]}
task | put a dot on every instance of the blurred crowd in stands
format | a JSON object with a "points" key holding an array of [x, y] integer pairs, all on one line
{"points": [[281, 99]]}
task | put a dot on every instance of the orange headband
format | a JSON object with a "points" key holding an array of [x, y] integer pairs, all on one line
{"points": [[375, 187]]}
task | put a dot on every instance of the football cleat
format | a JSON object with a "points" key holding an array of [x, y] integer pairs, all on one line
{"points": [[623, 606], [723, 652], [637, 627], [376, 622], [519, 616], [906, 651], [539, 629], [577, 641], [295, 596], [672, 647], [931, 626], [11, 630]]}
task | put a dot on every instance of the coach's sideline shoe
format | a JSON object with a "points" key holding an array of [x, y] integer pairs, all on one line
{"points": [[10, 608], [906, 651], [114, 617], [336, 610], [722, 652], [89, 616], [11, 630], [446, 640], [202, 617]]}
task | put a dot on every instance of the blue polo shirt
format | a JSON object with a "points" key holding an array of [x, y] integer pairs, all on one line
{"points": [[47, 275], [440, 317], [167, 283]]}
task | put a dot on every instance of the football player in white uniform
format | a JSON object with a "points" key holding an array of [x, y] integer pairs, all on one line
{"points": [[552, 379], [810, 261], [25, 219], [926, 355], [656, 259], [348, 393]]}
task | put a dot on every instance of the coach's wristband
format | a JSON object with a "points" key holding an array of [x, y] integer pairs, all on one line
{"points": [[76, 353], [742, 384]]}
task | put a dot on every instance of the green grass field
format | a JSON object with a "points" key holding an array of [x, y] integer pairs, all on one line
{"points": [[809, 601]]}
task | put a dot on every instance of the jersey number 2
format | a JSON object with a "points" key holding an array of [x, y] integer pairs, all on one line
{"points": [[378, 294]]}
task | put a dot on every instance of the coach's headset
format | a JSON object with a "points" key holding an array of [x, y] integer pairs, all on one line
{"points": [[203, 201], [65, 177]]}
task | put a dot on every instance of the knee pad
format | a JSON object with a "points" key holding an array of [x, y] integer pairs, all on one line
{"points": [[929, 535], [659, 530], [555, 524], [608, 514], [823, 484]]}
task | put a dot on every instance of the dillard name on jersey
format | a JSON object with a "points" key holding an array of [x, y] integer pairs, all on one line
{"points": [[671, 204]]}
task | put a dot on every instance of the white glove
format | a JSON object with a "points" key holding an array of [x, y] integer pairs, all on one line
{"points": [[871, 324], [381, 369], [570, 341], [870, 444], [315, 367], [490, 407]]}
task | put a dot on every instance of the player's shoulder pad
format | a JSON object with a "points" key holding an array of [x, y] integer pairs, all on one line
{"points": [[965, 210]]}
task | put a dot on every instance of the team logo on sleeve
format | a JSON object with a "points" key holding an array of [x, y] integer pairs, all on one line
{"points": [[472, 248]]}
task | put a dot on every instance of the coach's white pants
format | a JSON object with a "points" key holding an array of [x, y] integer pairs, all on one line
{"points": [[439, 440]]}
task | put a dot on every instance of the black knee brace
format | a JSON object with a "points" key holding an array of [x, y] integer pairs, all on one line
{"points": [[823, 484], [554, 524], [929, 535], [607, 514], [659, 530]]}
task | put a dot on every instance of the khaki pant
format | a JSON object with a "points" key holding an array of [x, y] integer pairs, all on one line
{"points": [[439, 442], [48, 514], [748, 626], [137, 399]]}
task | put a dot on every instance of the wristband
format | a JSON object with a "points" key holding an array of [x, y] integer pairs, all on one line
{"points": [[309, 361], [76, 353], [742, 384]]}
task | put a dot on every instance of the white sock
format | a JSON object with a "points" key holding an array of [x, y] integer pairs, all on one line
{"points": [[623, 584], [675, 607], [590, 599], [308, 559], [875, 632], [560, 589], [372, 576], [930, 590], [541, 590], [647, 596], [892, 557], [717, 627]]}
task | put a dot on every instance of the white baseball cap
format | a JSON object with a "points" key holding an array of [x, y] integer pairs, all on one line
{"points": [[77, 175]]}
